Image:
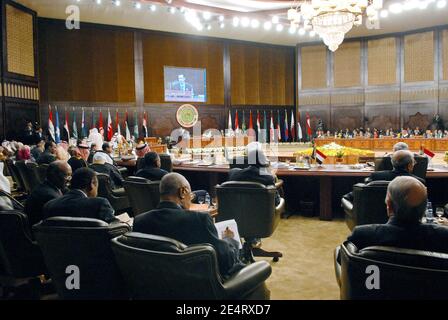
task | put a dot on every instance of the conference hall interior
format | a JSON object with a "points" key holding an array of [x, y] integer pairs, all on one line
{"points": [[223, 150]]}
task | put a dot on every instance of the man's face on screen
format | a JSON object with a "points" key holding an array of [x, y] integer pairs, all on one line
{"points": [[181, 78]]}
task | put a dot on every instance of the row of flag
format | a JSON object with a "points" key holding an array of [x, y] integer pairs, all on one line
{"points": [[290, 131], [107, 132]]}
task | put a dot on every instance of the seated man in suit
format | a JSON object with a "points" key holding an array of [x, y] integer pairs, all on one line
{"points": [[49, 155], [172, 219], [81, 200], [151, 167], [406, 204], [258, 169], [403, 164], [58, 175], [38, 149], [100, 165]]}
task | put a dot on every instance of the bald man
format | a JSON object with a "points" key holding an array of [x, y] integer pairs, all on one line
{"points": [[173, 219], [58, 175], [403, 164], [406, 201]]}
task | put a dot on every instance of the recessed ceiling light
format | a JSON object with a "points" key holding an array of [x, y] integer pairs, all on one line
{"points": [[312, 33], [222, 25], [275, 19], [267, 25], [236, 21], [138, 5], [98, 1], [221, 18], [209, 27], [279, 27], [152, 7], [384, 13], [292, 30], [245, 22], [302, 31], [255, 23], [172, 10], [117, 3], [423, 5]]}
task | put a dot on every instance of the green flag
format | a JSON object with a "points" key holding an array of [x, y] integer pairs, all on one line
{"points": [[243, 125]]}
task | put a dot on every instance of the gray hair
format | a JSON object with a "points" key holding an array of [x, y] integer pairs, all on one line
{"points": [[399, 192], [400, 146], [401, 159], [171, 183]]}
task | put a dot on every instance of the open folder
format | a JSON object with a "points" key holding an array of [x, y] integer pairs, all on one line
{"points": [[231, 224]]}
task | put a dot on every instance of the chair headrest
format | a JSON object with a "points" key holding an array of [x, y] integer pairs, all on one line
{"points": [[401, 256], [242, 184], [151, 242], [137, 179], [71, 222], [378, 183]]}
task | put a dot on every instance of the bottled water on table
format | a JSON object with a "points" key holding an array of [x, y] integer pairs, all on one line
{"points": [[429, 214]]}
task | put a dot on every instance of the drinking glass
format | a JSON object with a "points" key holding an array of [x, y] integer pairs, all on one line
{"points": [[440, 212]]}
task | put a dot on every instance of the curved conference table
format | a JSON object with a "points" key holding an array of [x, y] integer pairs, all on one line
{"points": [[325, 175]]}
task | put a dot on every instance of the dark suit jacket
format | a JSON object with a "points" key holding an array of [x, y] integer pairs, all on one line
{"points": [[252, 174], [75, 204], [112, 171], [390, 175], [35, 153], [189, 227], [46, 157], [151, 173], [38, 198], [419, 236]]}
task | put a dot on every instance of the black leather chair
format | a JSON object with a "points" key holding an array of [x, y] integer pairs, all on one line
{"points": [[368, 204], [42, 171], [21, 260], [15, 174], [117, 198], [84, 243], [144, 195], [252, 205], [165, 162], [403, 273], [29, 177], [420, 167], [157, 267]]}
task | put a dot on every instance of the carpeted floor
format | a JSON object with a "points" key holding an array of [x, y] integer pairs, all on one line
{"points": [[306, 270]]}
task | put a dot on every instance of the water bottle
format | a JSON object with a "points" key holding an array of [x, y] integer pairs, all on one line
{"points": [[429, 214]]}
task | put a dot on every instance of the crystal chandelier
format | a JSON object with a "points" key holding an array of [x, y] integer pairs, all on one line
{"points": [[332, 19]]}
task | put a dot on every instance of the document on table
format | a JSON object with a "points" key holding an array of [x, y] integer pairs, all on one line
{"points": [[231, 224]]}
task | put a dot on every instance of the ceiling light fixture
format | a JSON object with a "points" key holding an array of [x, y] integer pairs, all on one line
{"points": [[275, 19], [221, 18], [267, 25], [245, 22], [152, 7], [279, 27], [332, 19], [206, 15], [236, 21], [254, 23]]}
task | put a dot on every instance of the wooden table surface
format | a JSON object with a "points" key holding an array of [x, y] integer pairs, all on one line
{"points": [[325, 174]]}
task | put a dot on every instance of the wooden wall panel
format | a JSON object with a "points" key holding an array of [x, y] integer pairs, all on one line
{"points": [[347, 65], [314, 67], [172, 50], [419, 57], [91, 64], [445, 53], [20, 41], [382, 61], [262, 75]]}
